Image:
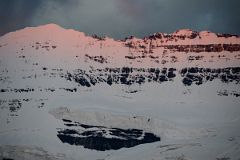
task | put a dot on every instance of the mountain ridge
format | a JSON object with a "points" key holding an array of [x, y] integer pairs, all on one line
{"points": [[180, 32]]}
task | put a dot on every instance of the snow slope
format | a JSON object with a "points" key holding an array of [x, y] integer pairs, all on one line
{"points": [[182, 87]]}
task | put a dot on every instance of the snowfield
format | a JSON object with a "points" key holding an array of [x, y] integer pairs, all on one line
{"points": [[68, 96]]}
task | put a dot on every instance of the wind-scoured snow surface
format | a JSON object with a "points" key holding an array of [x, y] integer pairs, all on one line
{"points": [[66, 95]]}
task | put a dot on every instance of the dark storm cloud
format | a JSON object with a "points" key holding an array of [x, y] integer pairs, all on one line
{"points": [[15, 14], [121, 18], [170, 15]]}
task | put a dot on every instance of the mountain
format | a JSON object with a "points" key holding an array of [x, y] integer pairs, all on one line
{"points": [[67, 95]]}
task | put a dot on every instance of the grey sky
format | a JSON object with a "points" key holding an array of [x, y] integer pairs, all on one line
{"points": [[121, 18]]}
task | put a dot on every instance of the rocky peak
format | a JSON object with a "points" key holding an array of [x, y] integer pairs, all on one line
{"points": [[187, 33]]}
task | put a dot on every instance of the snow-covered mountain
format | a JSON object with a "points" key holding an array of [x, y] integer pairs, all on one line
{"points": [[66, 95]]}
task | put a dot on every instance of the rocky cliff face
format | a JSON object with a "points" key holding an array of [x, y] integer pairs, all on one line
{"points": [[185, 41], [50, 53], [163, 75]]}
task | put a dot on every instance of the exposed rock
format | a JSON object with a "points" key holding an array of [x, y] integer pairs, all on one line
{"points": [[102, 138], [200, 75]]}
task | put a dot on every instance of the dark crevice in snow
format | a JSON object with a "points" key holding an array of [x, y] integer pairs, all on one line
{"points": [[102, 138]]}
